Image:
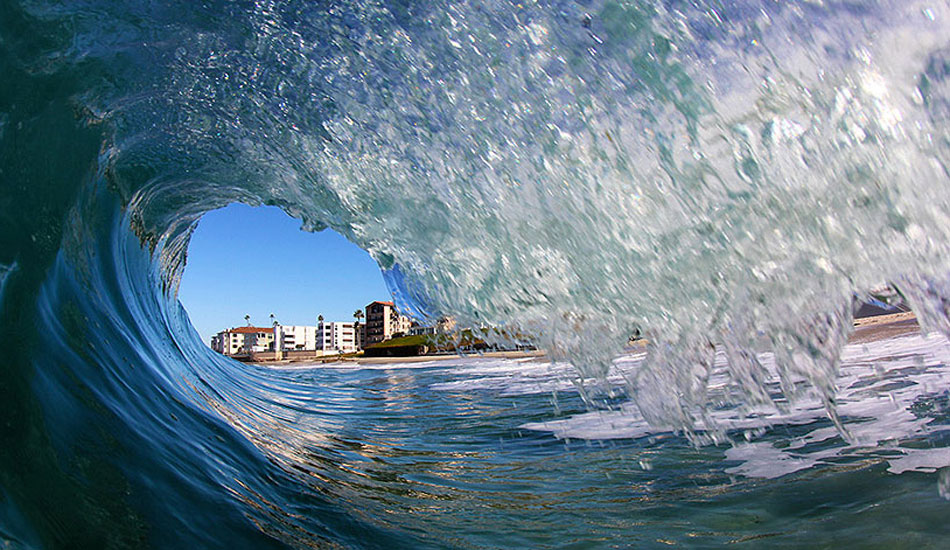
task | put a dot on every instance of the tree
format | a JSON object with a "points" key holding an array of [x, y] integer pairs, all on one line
{"points": [[358, 314], [320, 318], [248, 319], [276, 343]]}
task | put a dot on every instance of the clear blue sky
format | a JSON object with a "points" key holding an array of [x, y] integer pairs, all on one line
{"points": [[257, 261]]}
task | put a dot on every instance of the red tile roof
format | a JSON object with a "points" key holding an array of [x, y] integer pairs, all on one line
{"points": [[390, 304], [251, 330]]}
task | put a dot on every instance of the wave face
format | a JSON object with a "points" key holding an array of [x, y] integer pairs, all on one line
{"points": [[722, 176]]}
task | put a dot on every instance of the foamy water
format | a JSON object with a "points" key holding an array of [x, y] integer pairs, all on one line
{"points": [[891, 395]]}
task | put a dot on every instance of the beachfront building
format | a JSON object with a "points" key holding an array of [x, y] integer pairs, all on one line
{"points": [[443, 325], [298, 337], [421, 330], [243, 340], [383, 322], [324, 338], [336, 337]]}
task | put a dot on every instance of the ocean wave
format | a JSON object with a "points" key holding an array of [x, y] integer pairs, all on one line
{"points": [[722, 176]]}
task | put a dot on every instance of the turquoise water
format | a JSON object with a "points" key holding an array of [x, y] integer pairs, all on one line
{"points": [[722, 176]]}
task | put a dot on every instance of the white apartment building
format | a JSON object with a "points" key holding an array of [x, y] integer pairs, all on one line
{"points": [[328, 338], [242, 340], [297, 337], [336, 337]]}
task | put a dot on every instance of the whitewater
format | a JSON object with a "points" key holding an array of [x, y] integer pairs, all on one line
{"points": [[725, 178]]}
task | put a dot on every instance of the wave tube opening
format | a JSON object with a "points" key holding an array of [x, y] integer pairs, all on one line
{"points": [[256, 262]]}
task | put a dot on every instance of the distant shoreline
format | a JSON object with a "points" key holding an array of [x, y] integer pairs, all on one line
{"points": [[424, 358], [332, 359], [868, 329]]}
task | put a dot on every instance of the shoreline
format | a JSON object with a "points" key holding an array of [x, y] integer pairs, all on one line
{"points": [[425, 358], [536, 354], [867, 329]]}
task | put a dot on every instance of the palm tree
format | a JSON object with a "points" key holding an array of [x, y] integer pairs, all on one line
{"points": [[320, 318], [358, 314], [276, 343], [248, 319]]}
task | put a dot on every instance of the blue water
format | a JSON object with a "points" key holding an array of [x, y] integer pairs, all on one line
{"points": [[440, 454], [722, 176]]}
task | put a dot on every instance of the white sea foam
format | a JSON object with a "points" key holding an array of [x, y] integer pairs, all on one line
{"points": [[878, 387], [881, 388]]}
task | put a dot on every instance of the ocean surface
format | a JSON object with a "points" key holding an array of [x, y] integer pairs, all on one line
{"points": [[723, 177]]}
